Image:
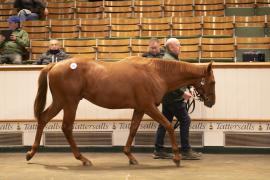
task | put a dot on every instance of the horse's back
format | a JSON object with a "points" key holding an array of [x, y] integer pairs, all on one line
{"points": [[129, 70], [89, 63], [121, 84]]}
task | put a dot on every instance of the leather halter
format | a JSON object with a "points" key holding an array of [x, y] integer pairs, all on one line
{"points": [[191, 103], [196, 95]]}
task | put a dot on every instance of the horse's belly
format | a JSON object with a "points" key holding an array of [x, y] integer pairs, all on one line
{"points": [[112, 102]]}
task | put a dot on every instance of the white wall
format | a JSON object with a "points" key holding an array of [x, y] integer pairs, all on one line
{"points": [[242, 105], [240, 94]]}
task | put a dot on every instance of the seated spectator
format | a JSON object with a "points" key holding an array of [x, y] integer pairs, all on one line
{"points": [[31, 9], [154, 50], [13, 48], [54, 54]]}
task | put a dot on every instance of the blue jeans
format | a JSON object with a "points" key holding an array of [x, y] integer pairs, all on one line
{"points": [[178, 110]]}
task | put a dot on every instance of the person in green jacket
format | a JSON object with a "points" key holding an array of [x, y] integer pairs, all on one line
{"points": [[173, 104], [13, 50]]}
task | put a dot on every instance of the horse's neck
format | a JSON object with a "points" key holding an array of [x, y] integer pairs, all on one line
{"points": [[183, 74]]}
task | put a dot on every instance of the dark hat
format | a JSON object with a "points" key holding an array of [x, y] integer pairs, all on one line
{"points": [[14, 19]]}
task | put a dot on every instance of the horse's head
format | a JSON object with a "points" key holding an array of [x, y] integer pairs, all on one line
{"points": [[206, 87]]}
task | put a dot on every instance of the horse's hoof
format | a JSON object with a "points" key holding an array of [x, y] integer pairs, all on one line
{"points": [[87, 163], [28, 156], [133, 162], [177, 162]]}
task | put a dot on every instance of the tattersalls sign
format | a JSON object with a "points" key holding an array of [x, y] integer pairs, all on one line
{"points": [[145, 125], [56, 126], [241, 126], [6, 127], [120, 129]]}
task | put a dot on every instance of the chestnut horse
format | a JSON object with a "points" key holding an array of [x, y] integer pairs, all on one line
{"points": [[135, 82]]}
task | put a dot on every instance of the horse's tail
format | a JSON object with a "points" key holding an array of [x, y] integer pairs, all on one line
{"points": [[40, 100]]}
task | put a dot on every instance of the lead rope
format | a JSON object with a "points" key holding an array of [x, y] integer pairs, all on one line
{"points": [[190, 104]]}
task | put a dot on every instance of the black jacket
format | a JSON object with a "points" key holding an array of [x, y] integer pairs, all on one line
{"points": [[149, 55], [48, 57], [35, 6]]}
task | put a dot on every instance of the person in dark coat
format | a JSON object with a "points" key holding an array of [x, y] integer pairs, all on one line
{"points": [[154, 49], [174, 105], [31, 9], [54, 54]]}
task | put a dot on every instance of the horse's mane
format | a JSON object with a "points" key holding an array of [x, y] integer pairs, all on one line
{"points": [[176, 66]]}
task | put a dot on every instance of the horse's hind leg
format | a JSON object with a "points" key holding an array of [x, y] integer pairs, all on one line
{"points": [[67, 127], [45, 117], [155, 114], [135, 122]]}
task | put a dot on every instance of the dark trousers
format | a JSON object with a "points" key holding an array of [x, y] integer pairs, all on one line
{"points": [[10, 59], [178, 110]]}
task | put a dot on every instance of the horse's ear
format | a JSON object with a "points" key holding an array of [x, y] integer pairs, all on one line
{"points": [[209, 68]]}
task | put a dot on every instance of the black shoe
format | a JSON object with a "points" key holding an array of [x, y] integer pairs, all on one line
{"points": [[191, 155], [162, 155]]}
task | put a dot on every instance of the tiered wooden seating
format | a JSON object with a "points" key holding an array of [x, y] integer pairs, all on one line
{"points": [[151, 27], [240, 7], [125, 27], [118, 8], [186, 26], [64, 29], [263, 3], [139, 46], [38, 47], [95, 28], [190, 50], [3, 25], [267, 30], [89, 9], [6, 10], [250, 21], [263, 7], [147, 8], [178, 8], [37, 29], [253, 43], [218, 26], [209, 8], [240, 3], [250, 26], [81, 48], [61, 10], [113, 49], [217, 49]]}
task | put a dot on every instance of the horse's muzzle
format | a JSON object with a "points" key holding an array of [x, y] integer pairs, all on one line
{"points": [[209, 103]]}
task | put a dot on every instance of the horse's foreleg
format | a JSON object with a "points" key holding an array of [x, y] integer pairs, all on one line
{"points": [[156, 115], [46, 116], [67, 127], [135, 122]]}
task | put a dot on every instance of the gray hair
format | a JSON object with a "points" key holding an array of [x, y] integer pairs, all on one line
{"points": [[172, 40]]}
